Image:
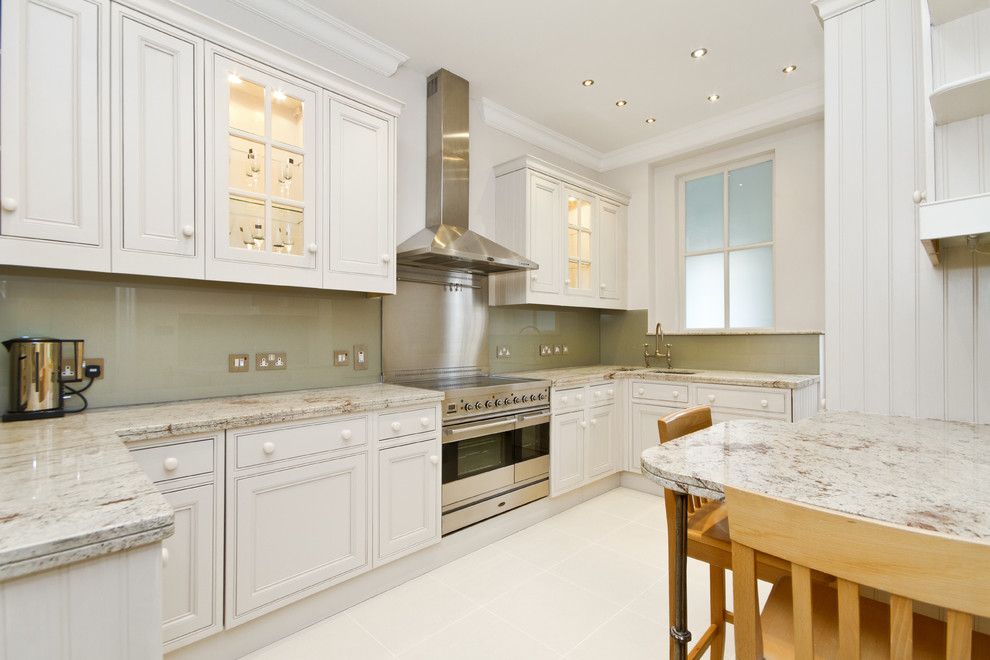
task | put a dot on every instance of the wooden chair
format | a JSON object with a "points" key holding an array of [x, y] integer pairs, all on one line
{"points": [[707, 540], [806, 619]]}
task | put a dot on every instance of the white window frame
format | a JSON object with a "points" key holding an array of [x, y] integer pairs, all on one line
{"points": [[725, 249]]}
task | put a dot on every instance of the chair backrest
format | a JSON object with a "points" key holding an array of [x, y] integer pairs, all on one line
{"points": [[909, 564], [679, 424]]}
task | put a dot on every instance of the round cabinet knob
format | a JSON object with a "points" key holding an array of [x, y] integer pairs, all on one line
{"points": [[534, 277], [434, 459], [919, 196], [170, 464], [346, 434], [8, 204], [594, 421], [711, 398], [424, 421], [675, 394], [564, 399], [598, 395], [313, 247], [583, 424], [602, 285], [164, 556], [268, 448], [579, 397], [396, 426], [641, 391], [611, 392], [188, 231], [764, 403], [386, 258]]}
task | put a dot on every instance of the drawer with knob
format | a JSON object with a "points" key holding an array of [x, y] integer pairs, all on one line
{"points": [[567, 400], [175, 461], [261, 446], [601, 394], [653, 391], [406, 422], [749, 399]]}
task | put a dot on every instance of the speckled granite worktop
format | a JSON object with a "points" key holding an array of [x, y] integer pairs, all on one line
{"points": [[926, 474], [69, 489], [577, 376]]}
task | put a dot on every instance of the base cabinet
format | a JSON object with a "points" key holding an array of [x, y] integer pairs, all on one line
{"points": [[567, 434], [599, 448], [584, 436], [408, 498], [645, 433]]}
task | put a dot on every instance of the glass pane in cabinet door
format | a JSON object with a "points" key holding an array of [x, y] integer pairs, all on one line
{"points": [[247, 105], [287, 119], [247, 223], [585, 276], [572, 274], [585, 214], [585, 245], [572, 243], [287, 175], [247, 164], [287, 229], [573, 212]]}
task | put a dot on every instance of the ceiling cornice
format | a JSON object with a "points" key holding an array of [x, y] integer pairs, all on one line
{"points": [[524, 128], [320, 27], [802, 104], [827, 9]]}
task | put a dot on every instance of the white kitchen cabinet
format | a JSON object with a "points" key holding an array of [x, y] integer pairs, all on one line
{"points": [[567, 453], [600, 448], [361, 199], [263, 166], [644, 432], [408, 503], [54, 128], [296, 528], [573, 227], [157, 129]]}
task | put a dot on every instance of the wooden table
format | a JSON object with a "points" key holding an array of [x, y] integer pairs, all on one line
{"points": [[925, 474]]}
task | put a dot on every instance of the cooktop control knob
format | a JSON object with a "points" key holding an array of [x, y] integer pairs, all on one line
{"points": [[542, 396], [489, 404], [468, 406], [515, 399]]}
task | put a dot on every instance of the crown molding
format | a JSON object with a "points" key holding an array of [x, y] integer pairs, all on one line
{"points": [[320, 27], [537, 134], [827, 9], [802, 104]]}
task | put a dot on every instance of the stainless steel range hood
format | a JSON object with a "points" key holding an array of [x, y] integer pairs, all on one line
{"points": [[446, 243]]}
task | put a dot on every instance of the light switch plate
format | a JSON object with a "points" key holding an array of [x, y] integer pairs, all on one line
{"points": [[238, 362], [100, 362], [341, 358], [360, 357], [270, 361]]}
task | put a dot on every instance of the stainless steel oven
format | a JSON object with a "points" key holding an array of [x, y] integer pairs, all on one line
{"points": [[493, 465]]}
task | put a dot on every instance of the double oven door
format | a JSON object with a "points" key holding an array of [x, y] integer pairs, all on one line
{"points": [[485, 458]]}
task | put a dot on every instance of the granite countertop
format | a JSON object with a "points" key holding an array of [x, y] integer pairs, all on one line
{"points": [[69, 489], [577, 376], [925, 474]]}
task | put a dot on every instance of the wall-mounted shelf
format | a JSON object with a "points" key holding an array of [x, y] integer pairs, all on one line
{"points": [[962, 99], [952, 218], [943, 11]]}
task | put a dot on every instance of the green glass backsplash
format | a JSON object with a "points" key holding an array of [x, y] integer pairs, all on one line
{"points": [[622, 340], [165, 340], [524, 329]]}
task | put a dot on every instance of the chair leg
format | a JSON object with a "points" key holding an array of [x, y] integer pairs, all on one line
{"points": [[716, 582]]}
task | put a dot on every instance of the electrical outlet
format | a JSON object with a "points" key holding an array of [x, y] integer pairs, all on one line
{"points": [[557, 349], [341, 358], [96, 362], [502, 352], [270, 361], [238, 362], [360, 357], [545, 350], [563, 349], [68, 369]]}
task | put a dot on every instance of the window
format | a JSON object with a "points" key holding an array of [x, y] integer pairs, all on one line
{"points": [[727, 220]]}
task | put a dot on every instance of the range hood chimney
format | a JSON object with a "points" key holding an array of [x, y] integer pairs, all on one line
{"points": [[447, 243]]}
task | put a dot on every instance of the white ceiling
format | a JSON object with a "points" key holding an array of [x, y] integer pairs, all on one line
{"points": [[531, 56]]}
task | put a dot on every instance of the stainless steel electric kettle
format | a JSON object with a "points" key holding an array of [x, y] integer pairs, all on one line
{"points": [[38, 376]]}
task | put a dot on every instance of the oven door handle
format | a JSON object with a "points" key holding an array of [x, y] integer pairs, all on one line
{"points": [[476, 430], [533, 420]]}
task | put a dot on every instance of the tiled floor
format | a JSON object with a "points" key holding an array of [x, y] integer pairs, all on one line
{"points": [[588, 583]]}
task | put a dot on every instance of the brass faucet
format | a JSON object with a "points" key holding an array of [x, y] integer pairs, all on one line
{"points": [[656, 351]]}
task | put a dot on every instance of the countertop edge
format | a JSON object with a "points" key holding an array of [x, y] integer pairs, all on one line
{"points": [[606, 373]]}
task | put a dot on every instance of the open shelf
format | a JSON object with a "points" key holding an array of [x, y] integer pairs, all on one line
{"points": [[952, 218], [962, 99]]}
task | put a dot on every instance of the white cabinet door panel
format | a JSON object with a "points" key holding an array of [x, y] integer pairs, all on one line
{"points": [[600, 452], [298, 527], [359, 197], [188, 578], [53, 128], [158, 144], [644, 431], [567, 438], [609, 246], [408, 497], [545, 217]]}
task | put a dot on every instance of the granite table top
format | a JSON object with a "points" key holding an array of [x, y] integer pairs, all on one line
{"points": [[925, 474], [69, 489], [578, 376]]}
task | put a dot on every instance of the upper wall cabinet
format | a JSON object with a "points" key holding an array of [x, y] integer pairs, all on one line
{"points": [[151, 140], [54, 132], [574, 228], [157, 128]]}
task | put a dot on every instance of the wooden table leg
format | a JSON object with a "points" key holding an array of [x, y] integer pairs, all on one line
{"points": [[679, 633]]}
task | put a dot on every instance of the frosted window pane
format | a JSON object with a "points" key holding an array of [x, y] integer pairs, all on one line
{"points": [[751, 204], [751, 288], [703, 218], [704, 293]]}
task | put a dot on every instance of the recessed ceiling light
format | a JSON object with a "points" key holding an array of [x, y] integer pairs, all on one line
{"points": [[234, 79], [651, 120], [698, 53], [790, 68], [713, 97], [621, 102], [588, 83]]}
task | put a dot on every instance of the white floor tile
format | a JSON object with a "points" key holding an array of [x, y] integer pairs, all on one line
{"points": [[627, 636], [554, 611], [639, 542], [607, 573], [543, 545], [480, 636], [338, 637], [486, 574], [586, 521], [409, 613]]}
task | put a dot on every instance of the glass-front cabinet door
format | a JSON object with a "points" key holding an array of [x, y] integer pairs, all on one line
{"points": [[264, 166], [580, 235]]}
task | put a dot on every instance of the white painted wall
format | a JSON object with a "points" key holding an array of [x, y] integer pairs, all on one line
{"points": [[902, 337]]}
